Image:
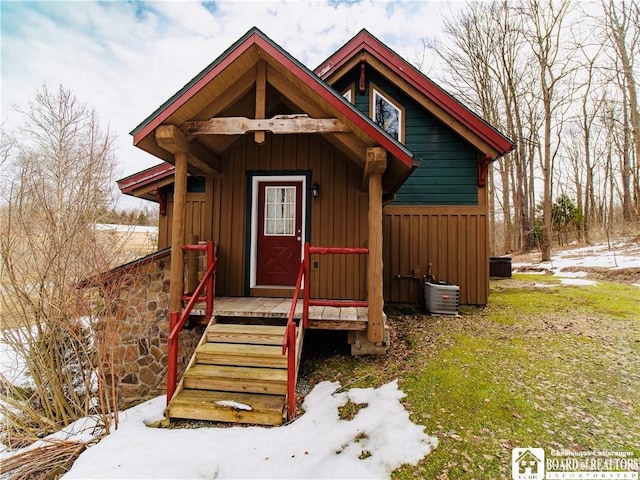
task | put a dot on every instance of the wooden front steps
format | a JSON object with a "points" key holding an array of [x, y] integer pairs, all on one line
{"points": [[237, 374]]}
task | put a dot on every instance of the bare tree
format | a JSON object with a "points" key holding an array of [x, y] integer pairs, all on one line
{"points": [[58, 178], [563, 85], [623, 34], [546, 37], [488, 69]]}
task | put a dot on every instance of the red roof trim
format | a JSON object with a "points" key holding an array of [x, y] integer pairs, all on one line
{"points": [[327, 94], [175, 105], [128, 184], [316, 84], [365, 41]]}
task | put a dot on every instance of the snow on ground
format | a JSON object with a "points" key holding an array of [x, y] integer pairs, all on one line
{"points": [[578, 282], [567, 263], [12, 367], [318, 444], [108, 227]]}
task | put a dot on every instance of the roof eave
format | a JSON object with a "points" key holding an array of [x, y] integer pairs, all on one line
{"points": [[466, 117], [128, 185], [259, 39]]}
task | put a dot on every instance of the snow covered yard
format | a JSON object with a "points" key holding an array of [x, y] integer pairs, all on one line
{"points": [[612, 261], [377, 440]]}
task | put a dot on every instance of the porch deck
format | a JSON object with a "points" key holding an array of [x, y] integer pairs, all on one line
{"points": [[320, 318]]}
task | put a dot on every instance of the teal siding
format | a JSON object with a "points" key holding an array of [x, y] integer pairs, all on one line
{"points": [[448, 171]]}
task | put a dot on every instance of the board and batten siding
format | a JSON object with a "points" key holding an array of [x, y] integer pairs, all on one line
{"points": [[198, 222], [448, 170], [439, 214], [338, 217], [452, 239]]}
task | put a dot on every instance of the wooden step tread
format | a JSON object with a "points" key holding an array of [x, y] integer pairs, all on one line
{"points": [[238, 373], [231, 348], [241, 355], [245, 334], [272, 381], [218, 406]]}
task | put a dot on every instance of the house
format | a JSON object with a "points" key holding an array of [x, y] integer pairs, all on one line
{"points": [[528, 464], [342, 187]]}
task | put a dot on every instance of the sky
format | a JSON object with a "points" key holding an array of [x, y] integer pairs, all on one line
{"points": [[125, 58]]}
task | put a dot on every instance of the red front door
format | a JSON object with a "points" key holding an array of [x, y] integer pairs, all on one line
{"points": [[279, 235]]}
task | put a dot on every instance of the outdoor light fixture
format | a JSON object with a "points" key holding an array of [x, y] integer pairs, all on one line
{"points": [[315, 190]]}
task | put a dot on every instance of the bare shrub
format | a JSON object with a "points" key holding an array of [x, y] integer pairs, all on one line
{"points": [[57, 183]]}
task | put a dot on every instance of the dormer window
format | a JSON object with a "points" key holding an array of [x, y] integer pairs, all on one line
{"points": [[348, 93], [387, 113]]}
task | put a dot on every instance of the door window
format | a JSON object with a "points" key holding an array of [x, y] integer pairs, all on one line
{"points": [[280, 210]]}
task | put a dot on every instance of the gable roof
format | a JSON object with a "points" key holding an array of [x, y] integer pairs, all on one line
{"points": [[197, 101], [142, 184], [364, 46]]}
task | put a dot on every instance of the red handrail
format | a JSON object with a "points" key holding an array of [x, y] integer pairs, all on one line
{"points": [[289, 340], [177, 320], [289, 345], [308, 302]]}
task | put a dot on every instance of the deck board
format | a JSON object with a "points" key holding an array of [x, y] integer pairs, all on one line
{"points": [[324, 318]]}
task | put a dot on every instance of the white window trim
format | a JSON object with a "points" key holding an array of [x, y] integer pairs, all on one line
{"points": [[254, 220], [351, 91], [266, 217], [374, 91]]}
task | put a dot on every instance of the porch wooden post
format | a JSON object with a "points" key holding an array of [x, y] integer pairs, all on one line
{"points": [[374, 168], [176, 288]]}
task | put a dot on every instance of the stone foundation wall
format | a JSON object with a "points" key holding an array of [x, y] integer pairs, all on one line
{"points": [[140, 347]]}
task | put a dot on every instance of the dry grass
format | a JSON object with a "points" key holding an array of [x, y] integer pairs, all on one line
{"points": [[48, 461]]}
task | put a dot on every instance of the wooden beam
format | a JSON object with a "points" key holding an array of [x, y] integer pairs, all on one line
{"points": [[261, 98], [281, 124], [293, 93], [172, 140], [376, 162], [176, 287], [350, 143], [347, 143], [230, 96], [375, 167]]}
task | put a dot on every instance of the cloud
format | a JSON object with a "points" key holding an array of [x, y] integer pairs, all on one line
{"points": [[125, 58]]}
